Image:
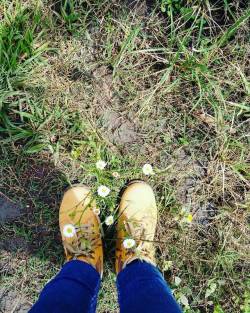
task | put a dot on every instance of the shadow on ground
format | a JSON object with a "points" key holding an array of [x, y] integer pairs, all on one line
{"points": [[30, 193]]}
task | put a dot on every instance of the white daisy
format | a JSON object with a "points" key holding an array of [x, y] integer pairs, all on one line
{"points": [[109, 220], [69, 230], [96, 211], [147, 169], [115, 174], [103, 191], [100, 165], [128, 243]]}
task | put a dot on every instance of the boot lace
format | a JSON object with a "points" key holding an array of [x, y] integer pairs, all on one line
{"points": [[85, 243]]}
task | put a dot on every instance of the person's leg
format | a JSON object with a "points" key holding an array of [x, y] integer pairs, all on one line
{"points": [[73, 290], [142, 288]]}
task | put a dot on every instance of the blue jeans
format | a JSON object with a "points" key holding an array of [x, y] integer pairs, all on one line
{"points": [[141, 289]]}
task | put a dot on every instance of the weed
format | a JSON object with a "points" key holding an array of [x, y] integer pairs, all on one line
{"points": [[20, 51]]}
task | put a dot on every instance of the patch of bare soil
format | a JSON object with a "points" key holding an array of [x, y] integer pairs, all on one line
{"points": [[118, 129], [9, 210], [13, 302], [116, 126], [13, 244], [191, 176]]}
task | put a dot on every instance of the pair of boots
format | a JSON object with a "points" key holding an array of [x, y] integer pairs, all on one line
{"points": [[136, 225]]}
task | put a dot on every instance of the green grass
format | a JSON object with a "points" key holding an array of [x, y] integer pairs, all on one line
{"points": [[21, 48], [85, 82]]}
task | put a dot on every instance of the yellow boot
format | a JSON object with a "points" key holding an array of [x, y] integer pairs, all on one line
{"points": [[80, 227], [137, 220]]}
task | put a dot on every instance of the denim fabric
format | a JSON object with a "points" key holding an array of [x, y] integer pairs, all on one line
{"points": [[141, 289], [73, 290]]}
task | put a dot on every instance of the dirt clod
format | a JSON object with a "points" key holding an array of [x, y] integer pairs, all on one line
{"points": [[9, 211], [12, 302], [119, 130]]}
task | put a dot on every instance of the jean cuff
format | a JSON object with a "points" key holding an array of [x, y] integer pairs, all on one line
{"points": [[80, 272], [138, 270]]}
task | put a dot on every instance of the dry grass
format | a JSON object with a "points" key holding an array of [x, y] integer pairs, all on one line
{"points": [[134, 88]]}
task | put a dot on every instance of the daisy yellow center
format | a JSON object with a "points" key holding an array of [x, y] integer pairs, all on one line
{"points": [[69, 230], [190, 217]]}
